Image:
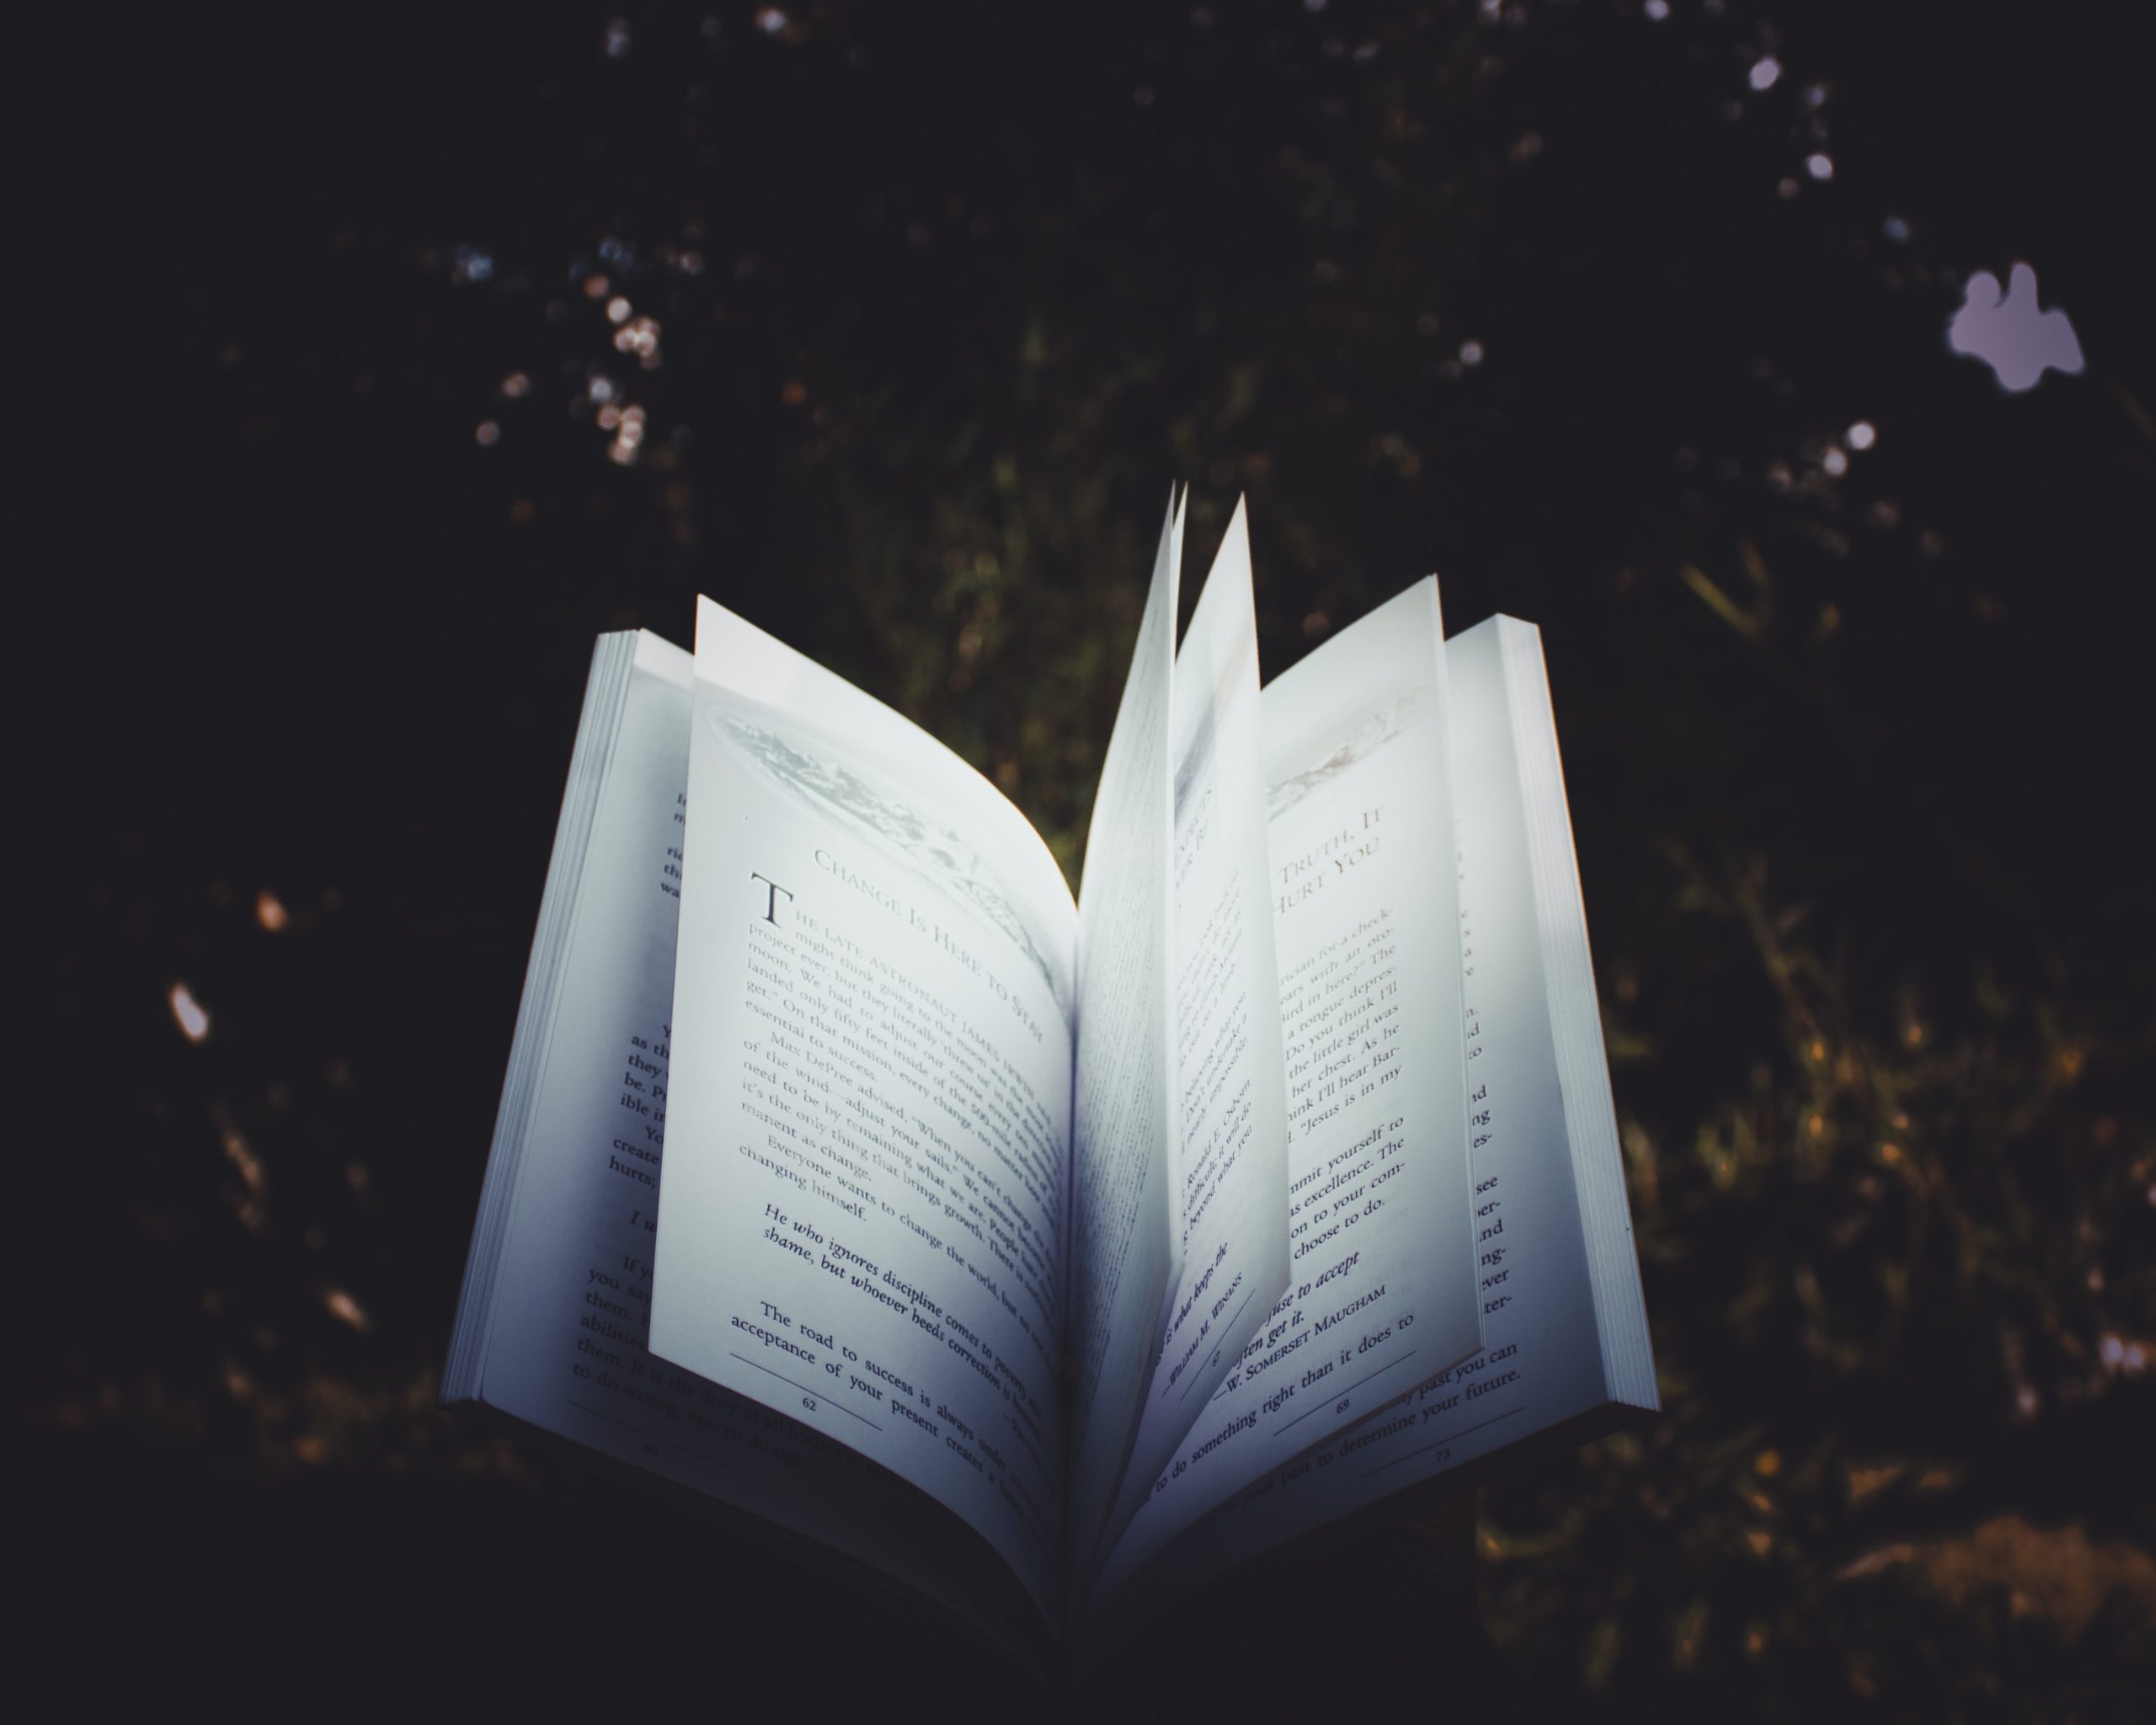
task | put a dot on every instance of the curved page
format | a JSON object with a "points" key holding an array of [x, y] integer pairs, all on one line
{"points": [[564, 1326], [1382, 1292], [1540, 1375], [1228, 1195], [862, 1220], [1124, 1108]]}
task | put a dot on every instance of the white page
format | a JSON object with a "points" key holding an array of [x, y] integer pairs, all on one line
{"points": [[1123, 1106], [1541, 1365], [1382, 1294], [565, 1344], [1230, 1180], [1613, 1258], [862, 1220]]}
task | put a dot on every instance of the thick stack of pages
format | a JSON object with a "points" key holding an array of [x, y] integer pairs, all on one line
{"points": [[1095, 1245]]}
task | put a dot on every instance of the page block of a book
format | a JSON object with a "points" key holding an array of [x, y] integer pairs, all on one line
{"points": [[862, 1220], [566, 1327], [1382, 1294], [1541, 1366]]}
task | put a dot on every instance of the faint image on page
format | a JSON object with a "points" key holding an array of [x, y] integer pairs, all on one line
{"points": [[1540, 1369], [861, 1221], [1382, 1287]]}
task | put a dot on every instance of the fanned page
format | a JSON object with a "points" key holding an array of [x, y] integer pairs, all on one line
{"points": [[1541, 1371], [1227, 1191], [1364, 916], [564, 1328], [862, 1222], [1123, 1105]]}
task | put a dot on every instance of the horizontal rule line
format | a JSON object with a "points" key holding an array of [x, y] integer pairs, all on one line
{"points": [[1439, 1443], [1335, 1396], [818, 1396], [1229, 1325]]}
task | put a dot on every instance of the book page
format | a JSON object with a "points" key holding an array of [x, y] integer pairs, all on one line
{"points": [[1123, 1105], [1382, 1294], [565, 1342], [1228, 1185], [1541, 1366], [862, 1222]]}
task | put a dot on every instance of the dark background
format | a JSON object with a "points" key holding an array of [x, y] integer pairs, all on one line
{"points": [[317, 512]]}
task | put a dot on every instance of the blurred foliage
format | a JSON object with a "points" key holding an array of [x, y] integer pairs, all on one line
{"points": [[1541, 296]]}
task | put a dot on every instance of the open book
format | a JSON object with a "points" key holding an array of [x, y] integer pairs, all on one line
{"points": [[1041, 1258]]}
